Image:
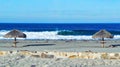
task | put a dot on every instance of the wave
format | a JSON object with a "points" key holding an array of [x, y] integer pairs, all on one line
{"points": [[76, 32], [55, 35], [83, 32]]}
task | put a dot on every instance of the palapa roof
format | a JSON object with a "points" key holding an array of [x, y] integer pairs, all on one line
{"points": [[15, 33], [102, 34]]}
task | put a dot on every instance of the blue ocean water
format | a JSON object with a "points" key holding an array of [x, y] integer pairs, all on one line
{"points": [[60, 30], [68, 28]]}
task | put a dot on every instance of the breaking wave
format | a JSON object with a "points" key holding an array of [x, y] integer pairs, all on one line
{"points": [[77, 35]]}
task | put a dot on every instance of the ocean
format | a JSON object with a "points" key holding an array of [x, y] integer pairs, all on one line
{"points": [[78, 31]]}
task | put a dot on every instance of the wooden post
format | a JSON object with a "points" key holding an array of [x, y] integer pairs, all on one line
{"points": [[103, 42], [15, 42]]}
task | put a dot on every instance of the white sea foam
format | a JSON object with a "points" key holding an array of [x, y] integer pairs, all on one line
{"points": [[53, 35]]}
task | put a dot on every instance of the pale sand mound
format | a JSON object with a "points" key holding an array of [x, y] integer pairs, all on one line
{"points": [[16, 60]]}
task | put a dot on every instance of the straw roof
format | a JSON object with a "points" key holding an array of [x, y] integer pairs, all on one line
{"points": [[14, 34], [102, 34]]}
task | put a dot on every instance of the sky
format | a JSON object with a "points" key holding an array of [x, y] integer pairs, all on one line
{"points": [[60, 11]]}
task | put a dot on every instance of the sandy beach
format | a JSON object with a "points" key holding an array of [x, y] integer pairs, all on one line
{"points": [[61, 45], [59, 33], [16, 60]]}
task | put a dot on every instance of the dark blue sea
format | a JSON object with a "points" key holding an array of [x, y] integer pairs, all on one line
{"points": [[60, 30]]}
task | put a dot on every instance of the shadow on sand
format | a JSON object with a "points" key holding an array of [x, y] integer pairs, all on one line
{"points": [[114, 45], [38, 45]]}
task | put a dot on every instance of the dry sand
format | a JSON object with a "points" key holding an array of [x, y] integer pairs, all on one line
{"points": [[25, 61], [57, 45]]}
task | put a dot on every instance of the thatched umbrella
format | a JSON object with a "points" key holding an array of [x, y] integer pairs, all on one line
{"points": [[15, 34], [102, 34]]}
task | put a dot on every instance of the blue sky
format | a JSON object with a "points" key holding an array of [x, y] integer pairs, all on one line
{"points": [[79, 11]]}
